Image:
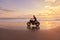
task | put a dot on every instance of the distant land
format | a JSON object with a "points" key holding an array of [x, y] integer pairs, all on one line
{"points": [[55, 19]]}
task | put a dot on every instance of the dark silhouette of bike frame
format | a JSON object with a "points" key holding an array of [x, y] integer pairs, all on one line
{"points": [[36, 23]]}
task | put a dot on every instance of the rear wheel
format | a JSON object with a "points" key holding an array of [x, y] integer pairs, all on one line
{"points": [[28, 25]]}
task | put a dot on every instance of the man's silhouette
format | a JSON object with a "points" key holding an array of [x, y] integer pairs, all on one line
{"points": [[35, 19]]}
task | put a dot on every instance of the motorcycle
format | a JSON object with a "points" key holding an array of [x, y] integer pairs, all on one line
{"points": [[36, 23]]}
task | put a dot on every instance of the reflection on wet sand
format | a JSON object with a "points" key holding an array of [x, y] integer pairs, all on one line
{"points": [[44, 25], [49, 30], [9, 34]]}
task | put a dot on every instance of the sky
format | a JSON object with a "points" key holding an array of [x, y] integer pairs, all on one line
{"points": [[27, 8]]}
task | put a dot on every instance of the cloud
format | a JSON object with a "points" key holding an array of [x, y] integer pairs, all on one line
{"points": [[51, 7], [50, 0], [6, 10]]}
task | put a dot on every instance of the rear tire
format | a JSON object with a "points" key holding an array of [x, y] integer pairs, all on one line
{"points": [[28, 25]]}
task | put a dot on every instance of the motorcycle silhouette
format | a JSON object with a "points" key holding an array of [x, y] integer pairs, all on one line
{"points": [[36, 23]]}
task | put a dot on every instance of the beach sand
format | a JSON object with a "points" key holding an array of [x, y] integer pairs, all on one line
{"points": [[6, 34], [18, 31]]}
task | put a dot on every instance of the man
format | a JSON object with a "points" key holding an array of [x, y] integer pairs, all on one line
{"points": [[35, 19]]}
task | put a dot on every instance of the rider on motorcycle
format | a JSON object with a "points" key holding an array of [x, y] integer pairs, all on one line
{"points": [[34, 19]]}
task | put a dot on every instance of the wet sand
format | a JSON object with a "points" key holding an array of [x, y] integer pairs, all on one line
{"points": [[18, 31], [13, 25], [8, 34]]}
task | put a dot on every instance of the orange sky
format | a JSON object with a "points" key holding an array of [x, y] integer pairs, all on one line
{"points": [[42, 8]]}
